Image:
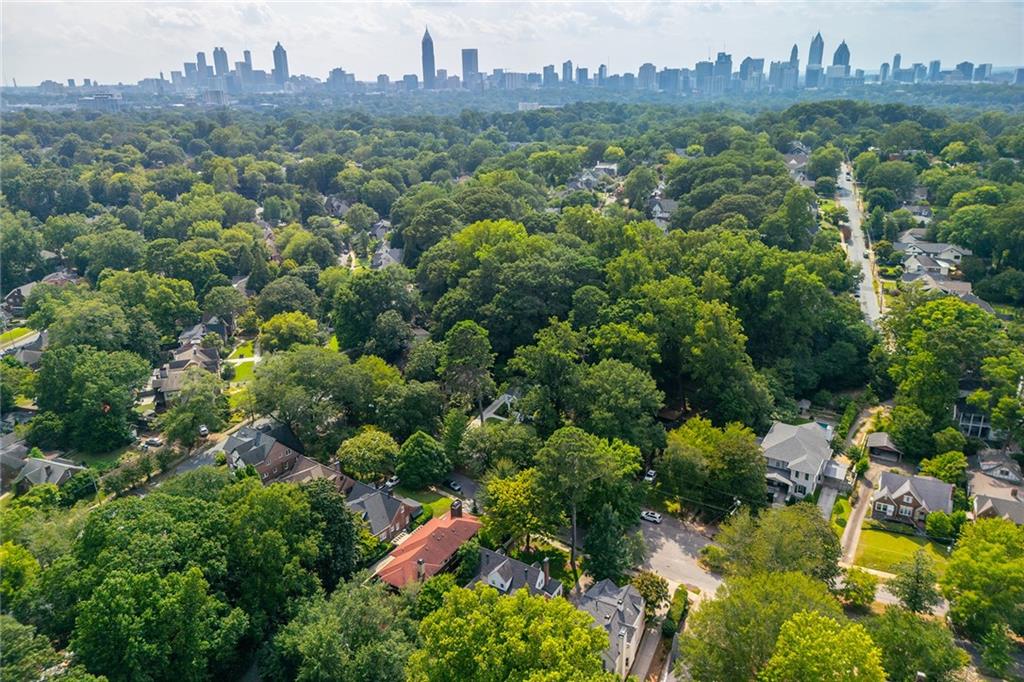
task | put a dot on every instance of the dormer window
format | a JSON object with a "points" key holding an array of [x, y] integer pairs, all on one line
{"points": [[908, 498]]}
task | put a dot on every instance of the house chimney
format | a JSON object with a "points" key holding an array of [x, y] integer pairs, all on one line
{"points": [[420, 572], [456, 512], [619, 603], [547, 569], [526, 575]]}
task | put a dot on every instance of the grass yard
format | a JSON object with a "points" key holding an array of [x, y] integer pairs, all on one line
{"points": [[840, 515], [14, 334], [882, 550], [102, 461], [434, 504], [243, 372], [245, 350]]}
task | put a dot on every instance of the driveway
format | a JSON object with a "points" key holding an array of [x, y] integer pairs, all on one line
{"points": [[673, 548]]}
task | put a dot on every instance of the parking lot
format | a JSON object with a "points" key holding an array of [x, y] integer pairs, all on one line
{"points": [[673, 548]]}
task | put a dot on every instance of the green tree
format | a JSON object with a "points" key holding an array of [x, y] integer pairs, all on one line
{"points": [[814, 647], [479, 635], [858, 589], [617, 400], [713, 466], [284, 330], [653, 588], [607, 547], [360, 299], [997, 649], [514, 508], [570, 464], [421, 461], [360, 633], [27, 654], [338, 533], [950, 467], [286, 294], [482, 447], [18, 571], [734, 635], [466, 363], [638, 186], [225, 302], [794, 538], [369, 455], [984, 580], [200, 401], [824, 162], [430, 594], [911, 644], [453, 430], [142, 626]]}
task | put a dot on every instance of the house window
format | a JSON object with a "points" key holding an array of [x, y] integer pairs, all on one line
{"points": [[884, 508], [908, 498], [905, 511]]}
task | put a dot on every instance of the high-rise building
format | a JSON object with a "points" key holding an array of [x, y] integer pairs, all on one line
{"points": [[247, 58], [814, 56], [567, 72], [550, 78], [648, 77], [602, 75], [704, 72], [201, 67], [582, 75], [220, 61], [883, 72], [383, 82], [897, 60], [280, 65], [794, 56], [982, 72], [934, 70], [842, 55], [966, 70], [723, 65], [751, 67], [470, 66], [429, 72]]}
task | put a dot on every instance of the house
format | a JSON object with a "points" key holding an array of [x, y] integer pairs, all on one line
{"points": [[29, 351], [241, 285], [430, 549], [508, 575], [913, 246], [261, 450], [796, 457], [662, 208], [585, 180], [996, 487], [606, 169], [925, 263], [881, 447], [306, 469], [910, 499], [33, 471], [209, 324], [14, 300], [971, 421], [385, 514], [167, 379], [620, 611], [998, 464]]}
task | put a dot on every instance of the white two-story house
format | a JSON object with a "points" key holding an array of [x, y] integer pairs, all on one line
{"points": [[796, 457]]}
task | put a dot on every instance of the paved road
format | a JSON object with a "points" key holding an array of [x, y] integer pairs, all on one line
{"points": [[673, 548], [847, 195]]}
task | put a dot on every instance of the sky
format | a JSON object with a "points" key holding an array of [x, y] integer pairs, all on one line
{"points": [[126, 41]]}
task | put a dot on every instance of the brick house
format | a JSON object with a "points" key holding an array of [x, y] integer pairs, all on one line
{"points": [[262, 450], [910, 499]]}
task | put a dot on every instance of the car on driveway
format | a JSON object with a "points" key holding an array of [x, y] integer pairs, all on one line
{"points": [[204, 430], [650, 475], [453, 485], [651, 516], [391, 483], [154, 442]]}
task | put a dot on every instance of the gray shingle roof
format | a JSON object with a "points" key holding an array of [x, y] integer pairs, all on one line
{"points": [[933, 493], [616, 609], [805, 446], [251, 446], [514, 573]]}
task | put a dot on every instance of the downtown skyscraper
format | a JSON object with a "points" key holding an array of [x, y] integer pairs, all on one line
{"points": [[280, 65], [814, 56], [429, 69]]}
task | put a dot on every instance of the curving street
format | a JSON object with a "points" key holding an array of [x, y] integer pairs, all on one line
{"points": [[847, 196]]}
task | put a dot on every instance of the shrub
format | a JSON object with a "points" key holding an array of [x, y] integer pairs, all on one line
{"points": [[714, 558], [668, 628]]}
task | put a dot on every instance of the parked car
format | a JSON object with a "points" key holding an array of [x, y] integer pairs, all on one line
{"points": [[453, 485], [650, 476], [867, 254], [391, 483], [154, 442], [204, 431], [651, 516]]}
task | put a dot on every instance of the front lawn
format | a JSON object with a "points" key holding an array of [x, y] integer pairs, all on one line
{"points": [[840, 515], [244, 350], [14, 334], [882, 550], [434, 504], [100, 462], [243, 372]]}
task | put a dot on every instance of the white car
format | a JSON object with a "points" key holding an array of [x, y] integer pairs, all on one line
{"points": [[391, 482], [650, 476], [204, 431], [651, 516]]}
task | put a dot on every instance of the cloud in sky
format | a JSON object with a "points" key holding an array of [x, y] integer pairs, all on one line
{"points": [[126, 41]]}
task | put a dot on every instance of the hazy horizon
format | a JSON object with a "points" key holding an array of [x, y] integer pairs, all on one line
{"points": [[125, 42]]}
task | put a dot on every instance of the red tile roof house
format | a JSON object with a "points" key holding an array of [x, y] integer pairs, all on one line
{"points": [[430, 549]]}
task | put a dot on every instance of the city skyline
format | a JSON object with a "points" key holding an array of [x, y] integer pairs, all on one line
{"points": [[584, 32]]}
